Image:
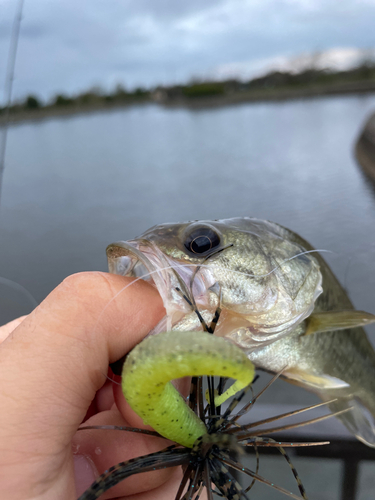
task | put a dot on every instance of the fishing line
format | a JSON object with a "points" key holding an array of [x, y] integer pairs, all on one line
{"points": [[112, 380], [16, 286]]}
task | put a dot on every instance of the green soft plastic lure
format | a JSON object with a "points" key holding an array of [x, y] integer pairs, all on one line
{"points": [[203, 451], [157, 360]]}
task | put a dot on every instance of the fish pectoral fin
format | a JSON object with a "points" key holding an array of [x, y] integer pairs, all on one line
{"points": [[313, 381], [329, 321]]}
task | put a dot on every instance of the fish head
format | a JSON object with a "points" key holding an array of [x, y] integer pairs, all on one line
{"points": [[264, 284]]}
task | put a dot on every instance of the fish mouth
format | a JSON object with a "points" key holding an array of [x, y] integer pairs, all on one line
{"points": [[126, 259], [141, 259]]}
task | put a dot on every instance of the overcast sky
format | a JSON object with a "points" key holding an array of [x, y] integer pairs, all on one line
{"points": [[71, 45]]}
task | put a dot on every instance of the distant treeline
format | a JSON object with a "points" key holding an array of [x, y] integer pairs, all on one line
{"points": [[273, 81], [92, 97]]}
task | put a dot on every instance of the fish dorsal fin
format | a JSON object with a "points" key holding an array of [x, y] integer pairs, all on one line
{"points": [[329, 321]]}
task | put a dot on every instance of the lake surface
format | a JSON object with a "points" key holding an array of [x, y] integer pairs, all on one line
{"points": [[73, 185]]}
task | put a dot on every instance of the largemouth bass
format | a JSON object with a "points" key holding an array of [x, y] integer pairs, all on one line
{"points": [[271, 294]]}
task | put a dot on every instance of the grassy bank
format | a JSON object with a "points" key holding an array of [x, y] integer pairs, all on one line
{"points": [[271, 87]]}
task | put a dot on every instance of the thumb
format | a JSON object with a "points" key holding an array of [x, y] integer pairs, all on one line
{"points": [[51, 367]]}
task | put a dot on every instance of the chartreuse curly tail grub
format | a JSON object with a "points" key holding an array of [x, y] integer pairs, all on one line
{"points": [[157, 360]]}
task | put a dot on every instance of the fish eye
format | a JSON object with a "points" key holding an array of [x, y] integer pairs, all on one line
{"points": [[202, 240]]}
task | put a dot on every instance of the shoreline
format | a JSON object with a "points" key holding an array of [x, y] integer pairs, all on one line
{"points": [[365, 148], [229, 99]]}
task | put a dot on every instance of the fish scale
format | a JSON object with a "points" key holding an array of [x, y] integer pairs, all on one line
{"points": [[279, 302]]}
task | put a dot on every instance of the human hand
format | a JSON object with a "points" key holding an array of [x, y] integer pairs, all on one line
{"points": [[52, 370]]}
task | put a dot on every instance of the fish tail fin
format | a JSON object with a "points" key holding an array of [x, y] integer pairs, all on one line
{"points": [[359, 420]]}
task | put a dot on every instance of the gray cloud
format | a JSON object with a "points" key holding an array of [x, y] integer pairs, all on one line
{"points": [[69, 46]]}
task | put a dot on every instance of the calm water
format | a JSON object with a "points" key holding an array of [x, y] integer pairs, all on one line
{"points": [[73, 185]]}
